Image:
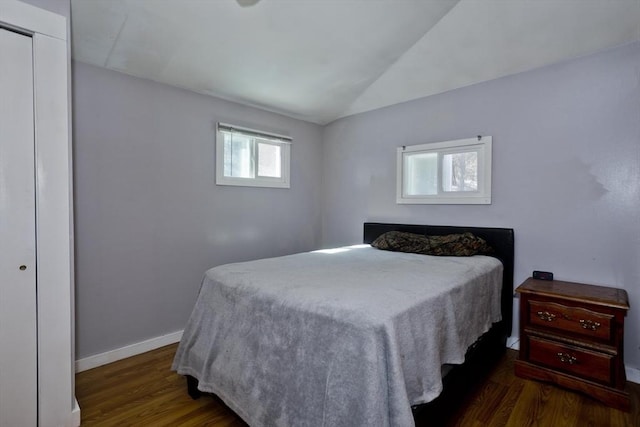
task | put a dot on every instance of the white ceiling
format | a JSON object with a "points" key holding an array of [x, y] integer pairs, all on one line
{"points": [[319, 60]]}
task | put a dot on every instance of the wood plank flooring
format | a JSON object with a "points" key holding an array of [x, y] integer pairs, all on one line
{"points": [[142, 391]]}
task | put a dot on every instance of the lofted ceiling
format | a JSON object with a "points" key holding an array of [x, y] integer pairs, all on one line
{"points": [[319, 60]]}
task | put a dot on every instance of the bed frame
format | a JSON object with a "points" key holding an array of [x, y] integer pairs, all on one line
{"points": [[490, 346]]}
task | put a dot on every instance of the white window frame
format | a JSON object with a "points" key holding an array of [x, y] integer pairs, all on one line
{"points": [[258, 181], [481, 144]]}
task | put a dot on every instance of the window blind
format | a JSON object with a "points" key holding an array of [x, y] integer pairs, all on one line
{"points": [[273, 137]]}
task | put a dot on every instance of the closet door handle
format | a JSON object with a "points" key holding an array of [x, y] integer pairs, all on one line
{"points": [[22, 267]]}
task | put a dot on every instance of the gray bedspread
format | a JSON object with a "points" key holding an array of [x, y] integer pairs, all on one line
{"points": [[345, 337]]}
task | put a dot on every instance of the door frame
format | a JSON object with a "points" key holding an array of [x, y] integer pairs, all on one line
{"points": [[54, 220]]}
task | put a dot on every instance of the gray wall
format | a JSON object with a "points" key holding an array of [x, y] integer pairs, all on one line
{"points": [[566, 169], [149, 218], [61, 7]]}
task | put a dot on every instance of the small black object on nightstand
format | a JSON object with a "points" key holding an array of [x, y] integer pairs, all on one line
{"points": [[543, 275]]}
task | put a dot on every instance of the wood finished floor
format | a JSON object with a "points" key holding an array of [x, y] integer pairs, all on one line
{"points": [[142, 391]]}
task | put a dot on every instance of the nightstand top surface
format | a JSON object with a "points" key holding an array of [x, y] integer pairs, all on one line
{"points": [[599, 295]]}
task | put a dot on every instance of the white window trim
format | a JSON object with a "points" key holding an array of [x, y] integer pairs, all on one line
{"points": [[481, 197], [259, 181]]}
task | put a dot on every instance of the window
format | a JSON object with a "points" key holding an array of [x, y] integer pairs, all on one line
{"points": [[451, 172], [251, 158]]}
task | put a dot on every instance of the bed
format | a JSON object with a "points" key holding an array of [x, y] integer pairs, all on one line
{"points": [[351, 336]]}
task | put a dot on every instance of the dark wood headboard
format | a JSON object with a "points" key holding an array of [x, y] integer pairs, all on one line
{"points": [[500, 239]]}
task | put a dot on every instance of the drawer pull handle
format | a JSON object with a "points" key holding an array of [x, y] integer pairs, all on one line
{"points": [[545, 315], [589, 324], [567, 358]]}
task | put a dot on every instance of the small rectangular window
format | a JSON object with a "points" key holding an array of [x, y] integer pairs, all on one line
{"points": [[248, 157], [451, 172]]}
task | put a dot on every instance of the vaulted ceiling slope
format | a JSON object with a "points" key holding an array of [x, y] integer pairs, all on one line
{"points": [[319, 60]]}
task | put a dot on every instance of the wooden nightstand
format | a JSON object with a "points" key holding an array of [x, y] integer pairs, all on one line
{"points": [[572, 334]]}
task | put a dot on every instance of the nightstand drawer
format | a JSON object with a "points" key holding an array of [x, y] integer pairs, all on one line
{"points": [[580, 362], [566, 318]]}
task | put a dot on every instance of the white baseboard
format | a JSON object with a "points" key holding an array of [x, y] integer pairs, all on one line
{"points": [[127, 351], [75, 414], [633, 374]]}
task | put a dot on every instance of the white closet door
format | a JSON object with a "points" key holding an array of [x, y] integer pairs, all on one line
{"points": [[18, 348]]}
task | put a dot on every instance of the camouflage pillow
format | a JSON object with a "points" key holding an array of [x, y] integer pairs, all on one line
{"points": [[465, 244]]}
